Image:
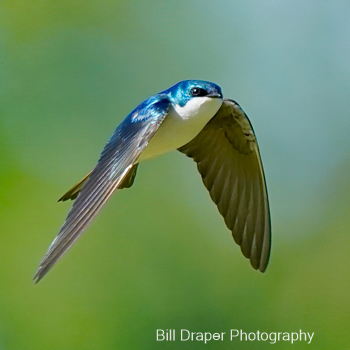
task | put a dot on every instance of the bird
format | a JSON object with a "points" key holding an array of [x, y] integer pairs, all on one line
{"points": [[192, 117]]}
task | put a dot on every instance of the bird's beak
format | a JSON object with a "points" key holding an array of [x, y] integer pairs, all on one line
{"points": [[214, 95]]}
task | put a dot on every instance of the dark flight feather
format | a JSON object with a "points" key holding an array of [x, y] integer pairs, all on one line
{"points": [[111, 172], [228, 159]]}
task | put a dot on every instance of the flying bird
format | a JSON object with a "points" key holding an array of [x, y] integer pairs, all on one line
{"points": [[192, 117]]}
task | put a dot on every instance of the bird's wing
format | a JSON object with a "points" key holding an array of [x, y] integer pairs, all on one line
{"points": [[117, 159], [228, 159]]}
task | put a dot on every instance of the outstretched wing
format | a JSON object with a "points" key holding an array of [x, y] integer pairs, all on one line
{"points": [[227, 157], [116, 161]]}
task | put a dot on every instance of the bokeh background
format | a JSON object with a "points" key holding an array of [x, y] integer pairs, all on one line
{"points": [[159, 254]]}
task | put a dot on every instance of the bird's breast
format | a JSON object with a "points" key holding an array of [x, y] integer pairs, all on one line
{"points": [[181, 125]]}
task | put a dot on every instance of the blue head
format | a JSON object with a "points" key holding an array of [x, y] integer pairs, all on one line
{"points": [[188, 97], [186, 90]]}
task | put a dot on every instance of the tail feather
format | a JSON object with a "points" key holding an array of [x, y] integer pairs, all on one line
{"points": [[74, 191]]}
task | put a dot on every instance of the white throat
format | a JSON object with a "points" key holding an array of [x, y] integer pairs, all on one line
{"points": [[198, 105], [181, 125]]}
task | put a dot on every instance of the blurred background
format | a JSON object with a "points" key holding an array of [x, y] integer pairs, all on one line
{"points": [[159, 254]]}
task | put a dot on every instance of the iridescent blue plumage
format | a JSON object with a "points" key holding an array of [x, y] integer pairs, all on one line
{"points": [[180, 93]]}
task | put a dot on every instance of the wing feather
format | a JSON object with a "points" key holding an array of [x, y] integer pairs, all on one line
{"points": [[228, 159], [117, 160]]}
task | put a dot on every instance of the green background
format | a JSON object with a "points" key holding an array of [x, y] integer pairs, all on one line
{"points": [[159, 255]]}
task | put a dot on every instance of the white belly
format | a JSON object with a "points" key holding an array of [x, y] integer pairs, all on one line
{"points": [[181, 125]]}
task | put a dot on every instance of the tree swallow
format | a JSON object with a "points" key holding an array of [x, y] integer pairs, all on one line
{"points": [[192, 117]]}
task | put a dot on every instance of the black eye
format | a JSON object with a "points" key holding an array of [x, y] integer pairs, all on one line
{"points": [[198, 92]]}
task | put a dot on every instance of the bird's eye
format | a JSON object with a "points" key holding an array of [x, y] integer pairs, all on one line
{"points": [[195, 91], [198, 92]]}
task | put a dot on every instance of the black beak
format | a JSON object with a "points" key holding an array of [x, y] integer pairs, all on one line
{"points": [[214, 95]]}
